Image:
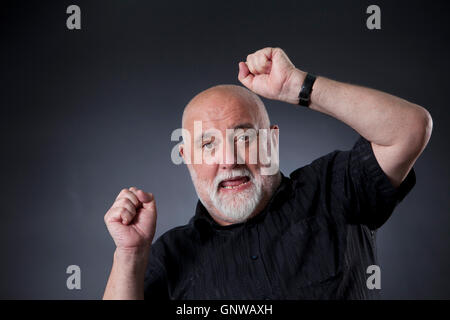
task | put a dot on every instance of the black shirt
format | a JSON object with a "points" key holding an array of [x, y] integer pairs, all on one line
{"points": [[314, 240]]}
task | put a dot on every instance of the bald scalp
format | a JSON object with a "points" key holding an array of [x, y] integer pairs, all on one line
{"points": [[227, 92]]}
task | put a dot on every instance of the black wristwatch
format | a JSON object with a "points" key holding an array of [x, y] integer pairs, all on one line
{"points": [[304, 97]]}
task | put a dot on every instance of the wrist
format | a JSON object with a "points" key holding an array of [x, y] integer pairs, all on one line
{"points": [[131, 256], [293, 86], [126, 280]]}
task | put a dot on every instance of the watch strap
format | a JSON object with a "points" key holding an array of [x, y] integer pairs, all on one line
{"points": [[304, 97]]}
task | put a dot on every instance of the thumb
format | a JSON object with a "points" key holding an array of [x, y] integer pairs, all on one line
{"points": [[143, 196], [244, 76], [150, 205]]}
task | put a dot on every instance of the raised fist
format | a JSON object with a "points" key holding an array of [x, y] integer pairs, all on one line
{"points": [[269, 73], [131, 220]]}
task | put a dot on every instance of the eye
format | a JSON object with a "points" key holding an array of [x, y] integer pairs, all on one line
{"points": [[208, 145], [242, 138]]}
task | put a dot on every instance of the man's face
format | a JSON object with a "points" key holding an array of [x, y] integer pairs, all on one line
{"points": [[228, 179]]}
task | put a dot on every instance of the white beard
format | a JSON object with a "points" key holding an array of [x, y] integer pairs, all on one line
{"points": [[235, 208]]}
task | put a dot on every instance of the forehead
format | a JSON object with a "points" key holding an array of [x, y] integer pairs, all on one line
{"points": [[222, 112]]}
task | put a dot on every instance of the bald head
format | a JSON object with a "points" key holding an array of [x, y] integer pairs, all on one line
{"points": [[221, 101]]}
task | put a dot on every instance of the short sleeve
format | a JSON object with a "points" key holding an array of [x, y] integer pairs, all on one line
{"points": [[155, 283], [356, 184]]}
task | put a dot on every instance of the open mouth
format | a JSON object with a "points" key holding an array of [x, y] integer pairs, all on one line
{"points": [[234, 183]]}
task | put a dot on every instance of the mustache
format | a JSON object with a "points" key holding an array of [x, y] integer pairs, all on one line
{"points": [[243, 172]]}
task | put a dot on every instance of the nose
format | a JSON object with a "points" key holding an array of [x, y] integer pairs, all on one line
{"points": [[232, 158]]}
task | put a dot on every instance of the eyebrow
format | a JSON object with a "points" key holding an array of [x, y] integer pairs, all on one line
{"points": [[246, 125], [206, 134]]}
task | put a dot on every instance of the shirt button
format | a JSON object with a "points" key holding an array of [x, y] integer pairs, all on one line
{"points": [[254, 257]]}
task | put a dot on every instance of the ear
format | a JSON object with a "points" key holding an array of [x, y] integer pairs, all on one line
{"points": [[181, 150], [275, 131], [274, 136]]}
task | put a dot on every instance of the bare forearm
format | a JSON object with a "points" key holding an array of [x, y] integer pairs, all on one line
{"points": [[398, 130], [126, 280], [381, 118]]}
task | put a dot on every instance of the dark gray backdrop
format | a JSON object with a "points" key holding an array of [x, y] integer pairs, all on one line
{"points": [[86, 113]]}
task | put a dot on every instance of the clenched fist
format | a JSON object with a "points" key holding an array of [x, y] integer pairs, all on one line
{"points": [[269, 73], [131, 220]]}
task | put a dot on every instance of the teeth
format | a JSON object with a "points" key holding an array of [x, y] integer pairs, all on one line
{"points": [[232, 187]]}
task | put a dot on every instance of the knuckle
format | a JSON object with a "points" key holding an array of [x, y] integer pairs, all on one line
{"points": [[133, 201], [121, 193], [132, 210], [128, 197], [122, 201], [281, 52]]}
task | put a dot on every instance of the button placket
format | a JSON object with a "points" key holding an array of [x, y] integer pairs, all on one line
{"points": [[257, 261]]}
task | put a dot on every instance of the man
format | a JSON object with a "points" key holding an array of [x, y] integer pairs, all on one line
{"points": [[256, 236]]}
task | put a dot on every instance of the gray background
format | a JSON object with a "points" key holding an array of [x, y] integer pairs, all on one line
{"points": [[86, 113]]}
